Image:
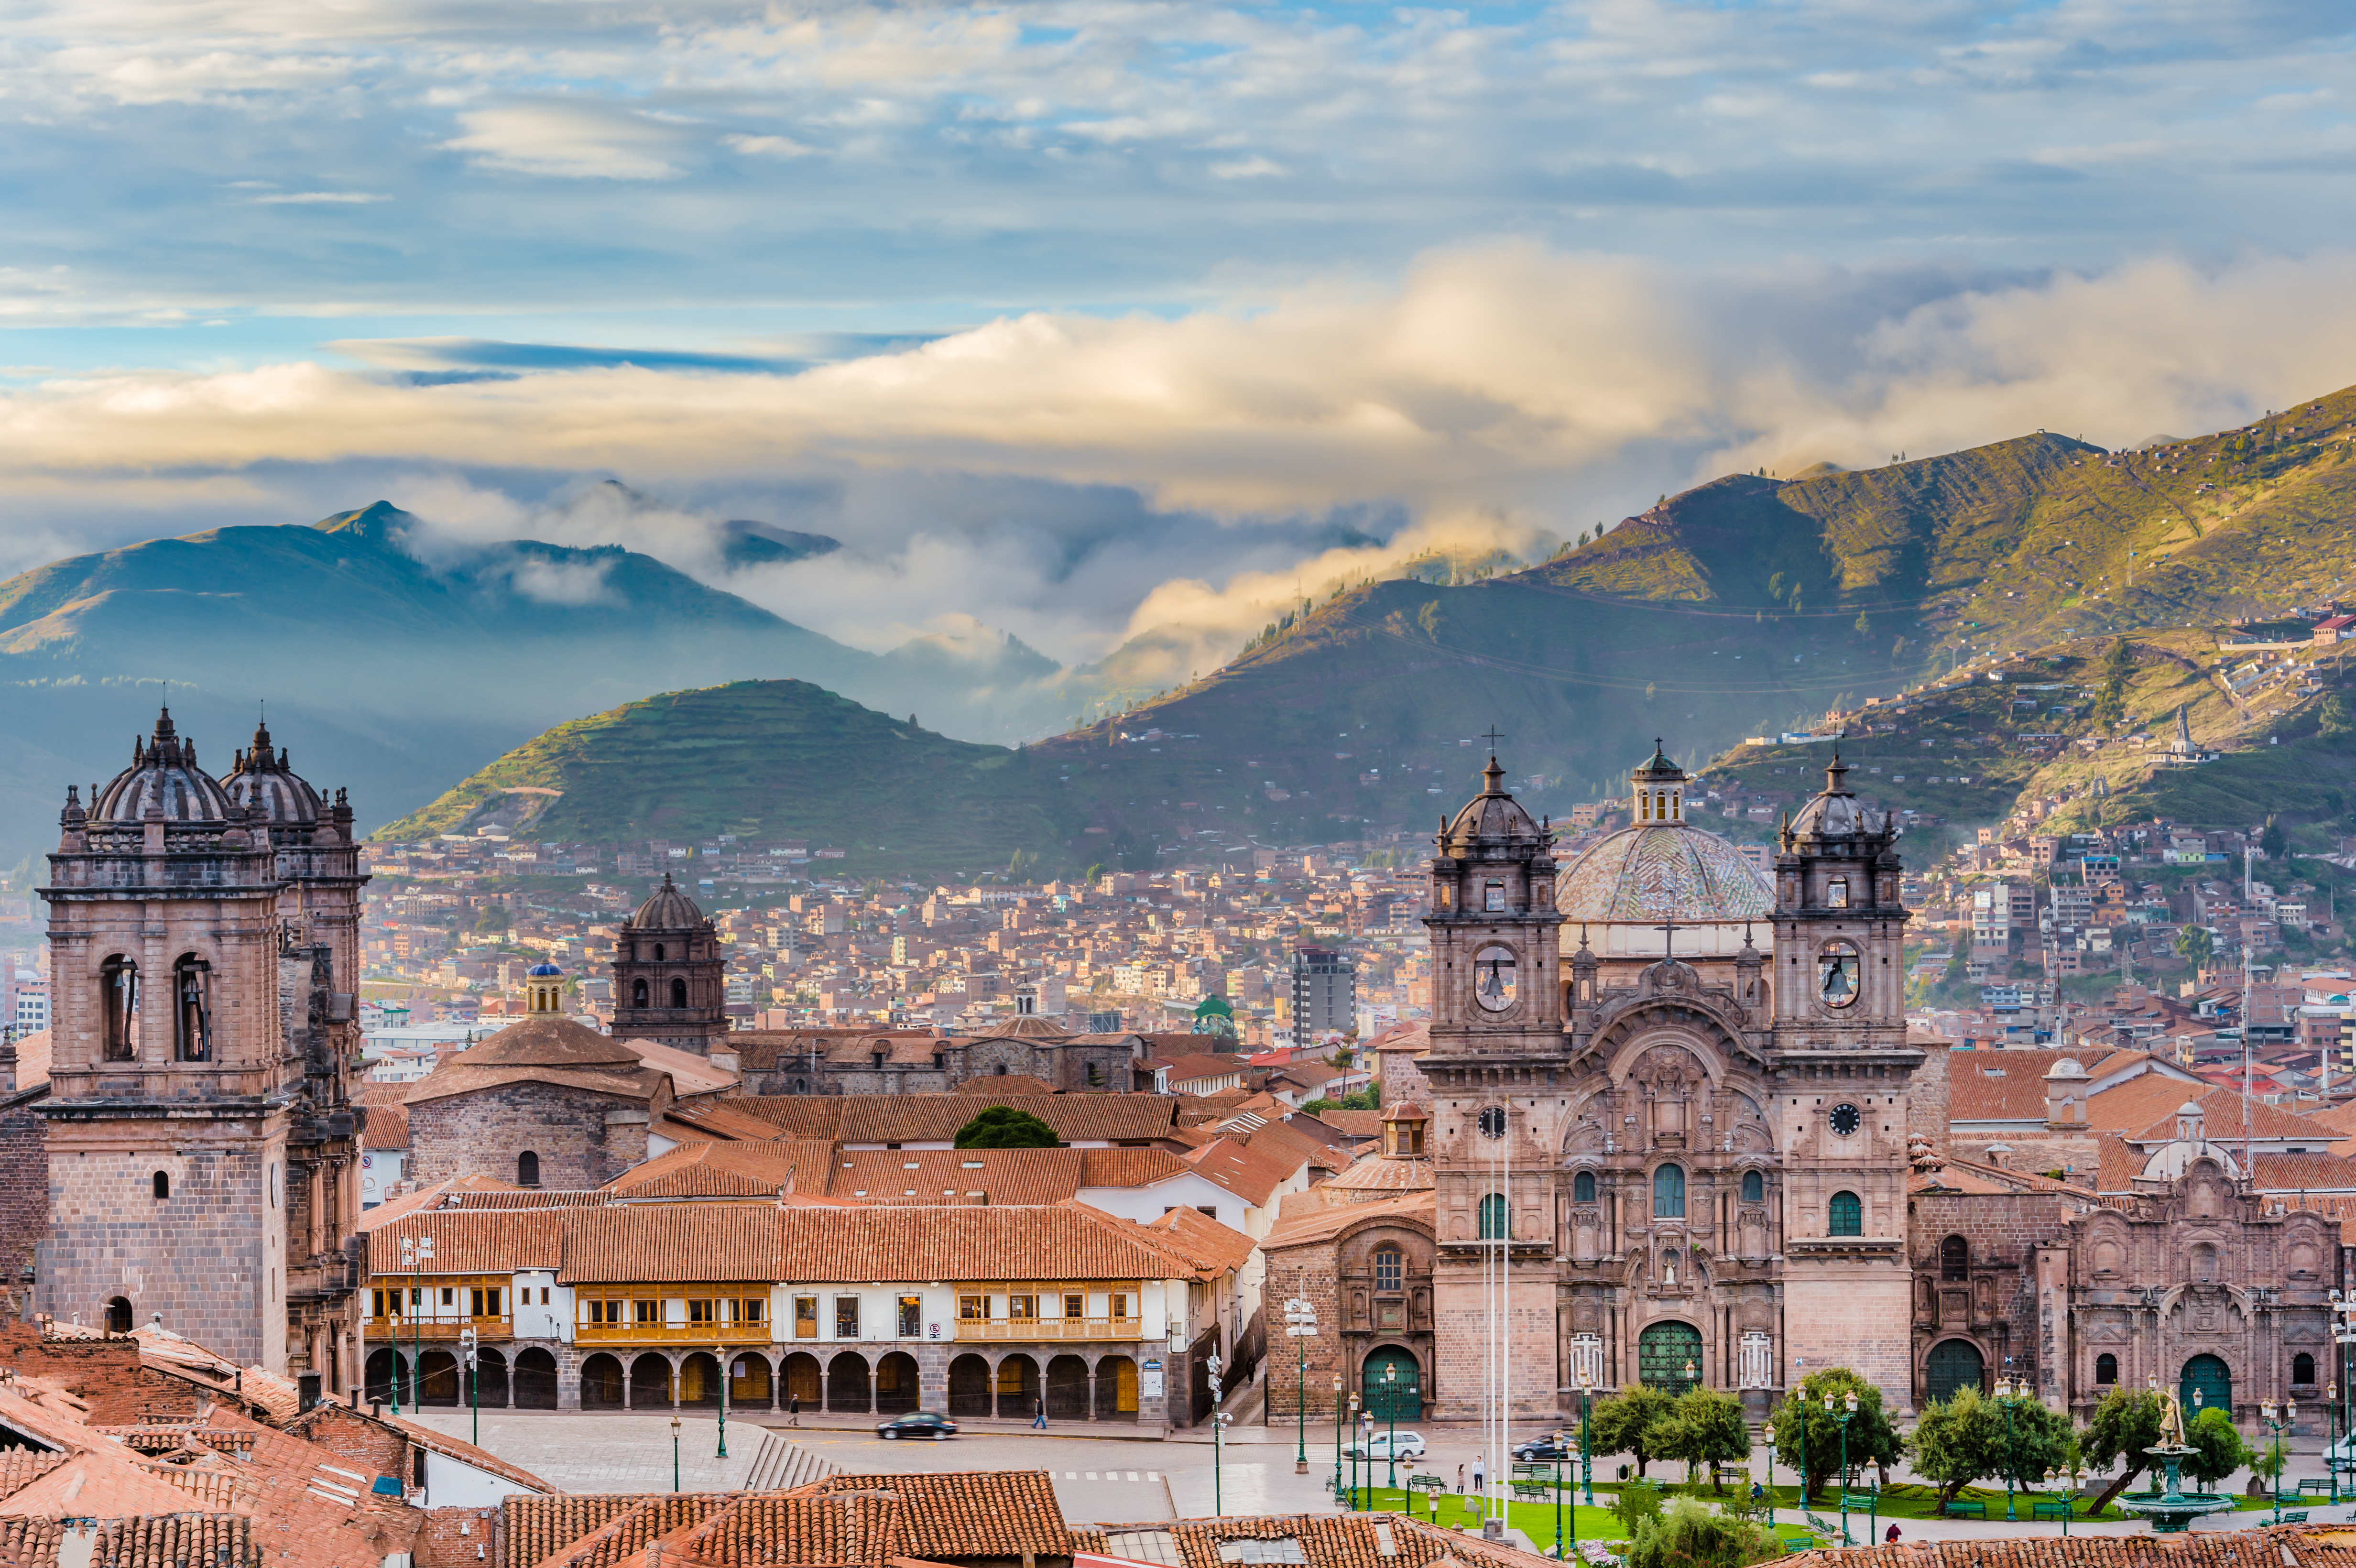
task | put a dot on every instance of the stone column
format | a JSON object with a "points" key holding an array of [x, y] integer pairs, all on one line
{"points": [[568, 1377]]}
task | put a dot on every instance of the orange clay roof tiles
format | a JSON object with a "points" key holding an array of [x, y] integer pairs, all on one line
{"points": [[165, 1541], [471, 1240], [673, 1241], [19, 1467], [706, 1168], [2288, 1545], [970, 1513]]}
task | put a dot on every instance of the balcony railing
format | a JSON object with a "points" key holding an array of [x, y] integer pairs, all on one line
{"points": [[671, 1333], [390, 1329], [1050, 1327]]}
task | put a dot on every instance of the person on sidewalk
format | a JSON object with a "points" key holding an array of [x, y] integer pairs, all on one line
{"points": [[793, 1410], [1892, 1536], [1480, 1486], [1039, 1419]]}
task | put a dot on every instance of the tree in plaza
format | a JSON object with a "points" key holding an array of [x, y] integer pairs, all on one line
{"points": [[2217, 1449], [1007, 1126], [1707, 1427], [1692, 1534], [1871, 1440], [1634, 1422], [1970, 1437], [2126, 1423]]}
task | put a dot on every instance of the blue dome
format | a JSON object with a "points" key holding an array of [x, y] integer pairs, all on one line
{"points": [[538, 969]]}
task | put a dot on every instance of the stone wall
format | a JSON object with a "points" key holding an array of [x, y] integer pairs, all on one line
{"points": [[1927, 1093], [24, 1190], [108, 1373], [372, 1448], [583, 1139]]}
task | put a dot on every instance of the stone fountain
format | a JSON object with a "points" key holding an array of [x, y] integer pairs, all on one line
{"points": [[2173, 1509]]}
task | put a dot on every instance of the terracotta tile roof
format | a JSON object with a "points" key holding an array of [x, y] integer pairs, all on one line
{"points": [[388, 1125], [1327, 1540], [1127, 1166], [2340, 1119], [691, 1075], [2009, 1085], [720, 1119], [1055, 1241], [2150, 1114], [970, 1513], [489, 1240], [536, 1528], [706, 1168], [641, 1084], [167, 1541], [2291, 1545], [627, 1531], [1278, 1140], [796, 1529], [1214, 1249], [440, 1195], [684, 1242], [20, 1467], [1327, 1222], [1243, 1170], [2300, 1172], [1355, 1123], [162, 1351], [1972, 1177]]}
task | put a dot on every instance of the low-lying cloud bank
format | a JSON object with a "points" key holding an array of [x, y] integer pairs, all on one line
{"points": [[1076, 479]]}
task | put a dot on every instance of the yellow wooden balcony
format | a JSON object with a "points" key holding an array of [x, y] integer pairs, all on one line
{"points": [[1040, 1328], [671, 1333], [389, 1329]]}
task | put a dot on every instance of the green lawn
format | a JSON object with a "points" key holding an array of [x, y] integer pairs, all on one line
{"points": [[1533, 1520]]}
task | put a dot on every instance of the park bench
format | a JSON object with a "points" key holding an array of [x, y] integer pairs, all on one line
{"points": [[2049, 1507], [1532, 1472], [2320, 1484], [1426, 1483], [2297, 1515], [1860, 1502], [1961, 1508], [1799, 1543], [1731, 1475], [1532, 1491]]}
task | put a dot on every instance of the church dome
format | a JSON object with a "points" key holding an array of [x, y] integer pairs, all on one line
{"points": [[1666, 871], [544, 969], [1025, 1026], [1833, 813], [269, 789], [667, 910], [1488, 817], [163, 775]]}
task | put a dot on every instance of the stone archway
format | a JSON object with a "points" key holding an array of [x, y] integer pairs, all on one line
{"points": [[650, 1383], [535, 1378], [604, 1386], [1952, 1365], [1664, 1351], [969, 1385], [847, 1387]]}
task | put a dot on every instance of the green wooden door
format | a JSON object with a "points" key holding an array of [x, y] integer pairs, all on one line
{"points": [[2209, 1378], [1398, 1397], [1951, 1364], [1664, 1352]]}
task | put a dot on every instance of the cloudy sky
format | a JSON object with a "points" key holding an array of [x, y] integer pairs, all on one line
{"points": [[1080, 316]]}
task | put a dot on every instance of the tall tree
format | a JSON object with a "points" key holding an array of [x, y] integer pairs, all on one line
{"points": [[1871, 1439], [1707, 1427], [1634, 1422], [2217, 1448], [2126, 1423]]}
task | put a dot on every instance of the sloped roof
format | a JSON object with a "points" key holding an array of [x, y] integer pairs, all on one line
{"points": [[470, 1241], [970, 1513], [2293, 1546], [1331, 1220], [1243, 1170], [711, 1169]]}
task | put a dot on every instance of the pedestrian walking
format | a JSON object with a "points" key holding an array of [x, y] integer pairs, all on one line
{"points": [[793, 1410], [1459, 1477], [1039, 1419], [1892, 1536]]}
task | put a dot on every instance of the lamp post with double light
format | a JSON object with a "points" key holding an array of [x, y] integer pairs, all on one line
{"points": [[2010, 1393], [2068, 1478], [2343, 1338], [1391, 1392], [1219, 1427], [1585, 1456], [467, 1343], [1847, 1414], [1356, 1445], [1300, 1326], [2281, 1454], [1337, 1438], [720, 1358], [674, 1453]]}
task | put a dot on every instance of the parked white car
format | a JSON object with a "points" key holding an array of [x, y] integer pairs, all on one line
{"points": [[1385, 1445]]}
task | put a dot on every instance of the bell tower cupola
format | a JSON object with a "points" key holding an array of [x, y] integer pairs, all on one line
{"points": [[1656, 790], [1493, 926]]}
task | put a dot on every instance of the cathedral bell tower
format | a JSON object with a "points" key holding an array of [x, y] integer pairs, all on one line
{"points": [[1842, 1072], [1493, 928]]}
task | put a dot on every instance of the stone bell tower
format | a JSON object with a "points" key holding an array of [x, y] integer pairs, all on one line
{"points": [[1495, 1120], [1843, 1069]]}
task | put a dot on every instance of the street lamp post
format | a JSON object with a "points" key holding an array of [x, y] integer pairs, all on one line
{"points": [[1390, 1404], [674, 1453], [466, 1345], [1804, 1448], [721, 1359], [1218, 1425], [1354, 1446], [1337, 1439], [1847, 1413], [2009, 1392], [1300, 1326], [2069, 1478], [2289, 1414], [2343, 1337], [1586, 1458]]}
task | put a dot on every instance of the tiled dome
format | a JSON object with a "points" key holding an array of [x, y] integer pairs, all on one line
{"points": [[263, 783], [667, 910], [163, 773], [1649, 874]]}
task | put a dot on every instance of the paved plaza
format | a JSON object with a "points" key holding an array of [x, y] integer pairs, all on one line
{"points": [[1099, 1479]]}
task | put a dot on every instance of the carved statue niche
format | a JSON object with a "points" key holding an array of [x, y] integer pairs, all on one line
{"points": [[1752, 1232], [1672, 1085]]}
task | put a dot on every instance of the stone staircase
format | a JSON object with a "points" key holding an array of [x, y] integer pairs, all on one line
{"points": [[779, 1463]]}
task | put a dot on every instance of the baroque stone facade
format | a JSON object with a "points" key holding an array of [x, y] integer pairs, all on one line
{"points": [[201, 1145], [862, 1061]]}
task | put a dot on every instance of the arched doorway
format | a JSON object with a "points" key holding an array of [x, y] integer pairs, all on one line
{"points": [[601, 1380], [846, 1384], [896, 1385], [1392, 1384], [1116, 1389], [650, 1383], [1067, 1389], [969, 1386], [2211, 1380], [535, 1379], [749, 1382], [699, 1382], [1951, 1364], [386, 1381], [437, 1378], [118, 1315], [1017, 1386], [490, 1378], [1668, 1357], [802, 1382]]}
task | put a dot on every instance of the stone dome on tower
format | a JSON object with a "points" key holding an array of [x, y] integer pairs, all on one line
{"points": [[263, 783], [1492, 819], [162, 776], [1834, 814], [1662, 869], [668, 909]]}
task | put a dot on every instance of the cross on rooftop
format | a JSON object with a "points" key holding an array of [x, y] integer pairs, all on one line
{"points": [[1668, 930], [1492, 736]]}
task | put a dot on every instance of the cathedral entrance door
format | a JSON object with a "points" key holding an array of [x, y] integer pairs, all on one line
{"points": [[1668, 1357], [1400, 1399], [2211, 1377], [1951, 1364]]}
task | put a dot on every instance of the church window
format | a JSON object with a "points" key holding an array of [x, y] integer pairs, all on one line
{"points": [[119, 988], [1846, 1215], [660, 952], [2302, 1368], [118, 1315], [528, 1169], [1754, 1186], [162, 1185], [637, 993], [1493, 897], [2106, 1369], [1495, 1226], [1669, 1193], [1836, 894], [192, 1029], [1955, 1259], [1582, 1188], [678, 993], [1095, 1074], [1390, 1269], [1838, 970]]}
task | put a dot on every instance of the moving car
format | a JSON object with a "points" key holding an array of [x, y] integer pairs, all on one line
{"points": [[1553, 1445], [917, 1424], [1408, 1446]]}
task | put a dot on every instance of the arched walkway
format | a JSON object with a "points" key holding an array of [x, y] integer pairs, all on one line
{"points": [[1116, 1389], [846, 1384], [897, 1385], [386, 1381], [535, 1379], [1017, 1385], [650, 1383], [969, 1386], [602, 1386], [749, 1387], [802, 1384], [1391, 1383], [1067, 1389], [1951, 1364], [437, 1378], [2212, 1380], [699, 1382], [490, 1389], [1668, 1357]]}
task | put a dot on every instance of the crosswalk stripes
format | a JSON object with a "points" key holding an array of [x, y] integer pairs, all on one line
{"points": [[1114, 1476]]}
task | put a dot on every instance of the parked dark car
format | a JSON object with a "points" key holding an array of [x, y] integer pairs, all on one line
{"points": [[1544, 1450], [917, 1424]]}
